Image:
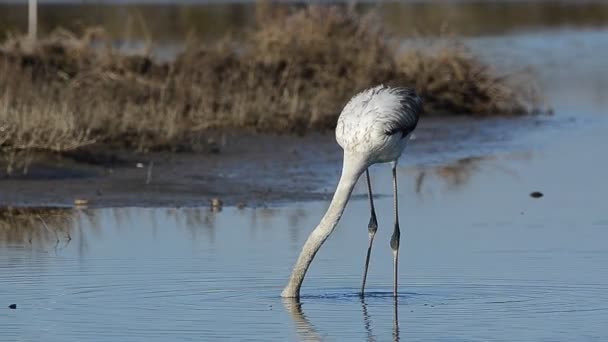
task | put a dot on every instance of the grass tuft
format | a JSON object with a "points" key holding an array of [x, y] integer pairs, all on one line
{"points": [[292, 74]]}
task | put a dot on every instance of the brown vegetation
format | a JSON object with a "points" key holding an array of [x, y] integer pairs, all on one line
{"points": [[35, 226], [291, 74]]}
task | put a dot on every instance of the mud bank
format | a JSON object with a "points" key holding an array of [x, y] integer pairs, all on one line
{"points": [[244, 169]]}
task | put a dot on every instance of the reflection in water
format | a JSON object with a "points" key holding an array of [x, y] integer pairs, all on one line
{"points": [[304, 328], [367, 324], [396, 319], [51, 228], [307, 331], [41, 228], [459, 174], [455, 175], [193, 219], [46, 229], [295, 222]]}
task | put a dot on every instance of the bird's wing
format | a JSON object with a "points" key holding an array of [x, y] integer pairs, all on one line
{"points": [[403, 116]]}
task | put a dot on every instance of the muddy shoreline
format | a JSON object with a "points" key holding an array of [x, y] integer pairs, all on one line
{"points": [[247, 170]]}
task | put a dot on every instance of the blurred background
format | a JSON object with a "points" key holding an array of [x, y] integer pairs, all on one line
{"points": [[171, 21]]}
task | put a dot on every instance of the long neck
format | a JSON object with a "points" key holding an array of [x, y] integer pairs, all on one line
{"points": [[352, 168]]}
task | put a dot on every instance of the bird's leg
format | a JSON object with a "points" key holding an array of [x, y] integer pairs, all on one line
{"points": [[372, 227], [395, 319], [396, 233]]}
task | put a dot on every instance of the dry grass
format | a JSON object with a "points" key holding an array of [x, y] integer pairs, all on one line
{"points": [[454, 82], [293, 74]]}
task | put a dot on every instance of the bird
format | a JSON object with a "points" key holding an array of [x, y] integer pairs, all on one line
{"points": [[373, 127]]}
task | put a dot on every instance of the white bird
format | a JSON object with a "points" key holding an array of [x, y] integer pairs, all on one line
{"points": [[374, 127]]}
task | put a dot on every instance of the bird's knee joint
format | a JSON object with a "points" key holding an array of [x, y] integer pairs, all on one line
{"points": [[372, 227], [395, 241]]}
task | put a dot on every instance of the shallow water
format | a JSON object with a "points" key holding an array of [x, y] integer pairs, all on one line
{"points": [[480, 260]]}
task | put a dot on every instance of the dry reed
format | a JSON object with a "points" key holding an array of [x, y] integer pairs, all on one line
{"points": [[292, 74]]}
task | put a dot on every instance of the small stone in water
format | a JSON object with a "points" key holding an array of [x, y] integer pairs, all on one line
{"points": [[12, 306], [81, 202], [216, 203], [536, 194]]}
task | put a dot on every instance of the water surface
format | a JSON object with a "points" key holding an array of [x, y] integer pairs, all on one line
{"points": [[480, 260]]}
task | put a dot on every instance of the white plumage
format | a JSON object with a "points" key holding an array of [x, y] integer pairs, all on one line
{"points": [[370, 121], [374, 127]]}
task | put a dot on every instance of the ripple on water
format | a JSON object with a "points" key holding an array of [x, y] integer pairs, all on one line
{"points": [[164, 297], [468, 308]]}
